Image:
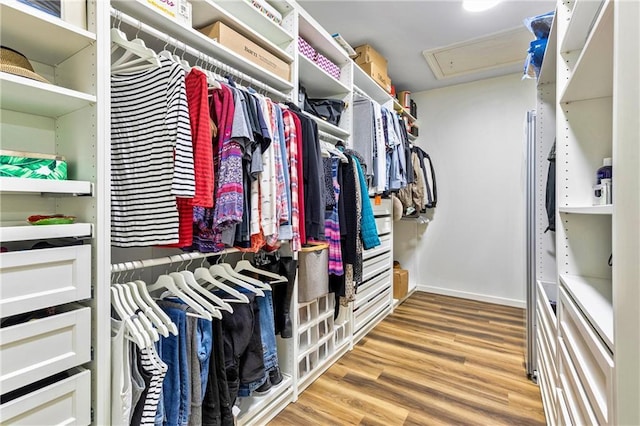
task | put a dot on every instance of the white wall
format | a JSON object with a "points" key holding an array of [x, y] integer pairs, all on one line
{"points": [[474, 246]]}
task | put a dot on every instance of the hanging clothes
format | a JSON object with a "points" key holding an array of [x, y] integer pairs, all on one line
{"points": [[151, 155], [332, 223]]}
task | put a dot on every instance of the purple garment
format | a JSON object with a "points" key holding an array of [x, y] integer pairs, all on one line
{"points": [[332, 225]]}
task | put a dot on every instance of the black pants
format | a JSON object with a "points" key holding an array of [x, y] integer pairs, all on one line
{"points": [[216, 407]]}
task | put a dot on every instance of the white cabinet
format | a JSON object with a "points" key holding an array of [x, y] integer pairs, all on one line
{"points": [[65, 117], [374, 296], [597, 340]]}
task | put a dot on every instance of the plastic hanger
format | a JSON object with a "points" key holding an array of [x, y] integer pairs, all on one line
{"points": [[136, 56], [203, 274], [253, 281], [148, 310], [127, 299], [167, 282], [144, 293], [130, 312], [245, 265], [140, 339], [182, 284], [193, 283], [220, 271], [335, 152]]}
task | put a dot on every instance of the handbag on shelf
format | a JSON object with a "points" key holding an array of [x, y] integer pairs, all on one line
{"points": [[330, 110]]}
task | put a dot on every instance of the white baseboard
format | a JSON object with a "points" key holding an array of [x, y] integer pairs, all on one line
{"points": [[474, 296]]}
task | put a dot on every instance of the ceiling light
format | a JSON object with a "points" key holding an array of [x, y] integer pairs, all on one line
{"points": [[479, 5]]}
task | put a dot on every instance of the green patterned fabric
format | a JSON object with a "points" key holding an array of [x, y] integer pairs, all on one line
{"points": [[34, 168]]}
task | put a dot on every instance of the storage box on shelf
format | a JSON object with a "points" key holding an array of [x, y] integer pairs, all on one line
{"points": [[226, 36], [196, 40]]}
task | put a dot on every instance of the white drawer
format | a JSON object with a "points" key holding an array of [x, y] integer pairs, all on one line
{"points": [[65, 402], [544, 344], [385, 246], [369, 289], [564, 419], [589, 356], [369, 311], [547, 391], [384, 208], [36, 279], [383, 224], [40, 348], [547, 319], [375, 266], [577, 402]]}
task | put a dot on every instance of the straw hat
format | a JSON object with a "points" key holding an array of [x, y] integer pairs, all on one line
{"points": [[16, 63]]}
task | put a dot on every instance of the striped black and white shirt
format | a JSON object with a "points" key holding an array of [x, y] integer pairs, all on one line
{"points": [[151, 155]]}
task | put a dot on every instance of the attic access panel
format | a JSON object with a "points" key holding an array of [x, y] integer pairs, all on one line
{"points": [[492, 52]]}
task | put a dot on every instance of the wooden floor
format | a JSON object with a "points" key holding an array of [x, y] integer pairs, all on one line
{"points": [[436, 361]]}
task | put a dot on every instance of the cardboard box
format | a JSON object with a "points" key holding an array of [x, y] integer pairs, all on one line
{"points": [[367, 55], [379, 76], [178, 10], [247, 49], [32, 165], [400, 283]]}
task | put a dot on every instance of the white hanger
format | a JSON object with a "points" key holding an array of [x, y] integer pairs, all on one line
{"points": [[182, 284], [335, 152], [211, 80], [127, 299], [245, 265], [253, 281], [227, 273], [203, 274], [144, 293], [148, 310], [167, 282], [136, 56], [141, 339], [193, 283]]}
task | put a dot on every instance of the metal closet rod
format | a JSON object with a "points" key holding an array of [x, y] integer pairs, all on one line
{"points": [[329, 137], [176, 258], [141, 26]]}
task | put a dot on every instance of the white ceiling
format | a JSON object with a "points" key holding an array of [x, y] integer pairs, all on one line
{"points": [[400, 30]]}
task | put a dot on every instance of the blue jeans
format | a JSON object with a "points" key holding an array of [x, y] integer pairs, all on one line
{"points": [[205, 345], [268, 331], [175, 404]]}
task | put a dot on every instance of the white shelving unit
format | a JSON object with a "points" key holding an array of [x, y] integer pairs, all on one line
{"points": [[9, 185], [595, 368], [66, 117], [593, 297], [605, 209]]}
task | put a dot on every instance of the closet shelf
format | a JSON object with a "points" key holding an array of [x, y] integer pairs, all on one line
{"points": [[206, 12], [316, 81], [25, 231], [606, 209], [402, 111], [593, 297], [593, 74], [38, 35], [582, 18], [365, 83], [328, 127], [34, 97], [44, 186], [198, 41], [548, 69], [321, 40], [251, 407], [245, 12]]}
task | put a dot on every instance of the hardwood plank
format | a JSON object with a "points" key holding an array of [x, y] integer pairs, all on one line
{"points": [[438, 360]]}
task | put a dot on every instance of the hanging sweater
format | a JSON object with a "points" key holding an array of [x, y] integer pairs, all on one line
{"points": [[368, 229]]}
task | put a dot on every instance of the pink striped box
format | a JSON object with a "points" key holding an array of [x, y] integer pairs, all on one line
{"points": [[329, 67], [306, 49]]}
